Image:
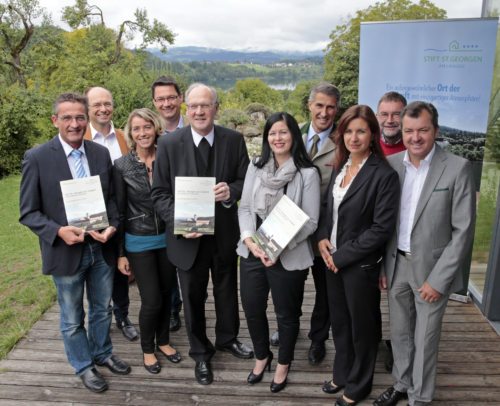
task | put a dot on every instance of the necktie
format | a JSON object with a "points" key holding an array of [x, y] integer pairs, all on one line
{"points": [[78, 164], [314, 147], [204, 148]]}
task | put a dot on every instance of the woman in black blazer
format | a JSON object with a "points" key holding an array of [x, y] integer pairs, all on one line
{"points": [[358, 216]]}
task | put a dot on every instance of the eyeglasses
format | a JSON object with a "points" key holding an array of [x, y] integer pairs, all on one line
{"points": [[69, 119], [99, 105], [203, 107], [163, 99]]}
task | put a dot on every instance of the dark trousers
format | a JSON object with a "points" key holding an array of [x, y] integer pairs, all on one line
{"points": [[120, 297], [320, 317], [155, 277], [175, 297], [194, 282], [287, 290], [354, 300]]}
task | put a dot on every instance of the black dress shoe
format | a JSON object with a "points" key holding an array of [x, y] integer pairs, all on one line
{"points": [[94, 381], [342, 402], [236, 348], [203, 373], [256, 378], [116, 365], [276, 387], [390, 397], [175, 322], [153, 369], [175, 357], [275, 339], [128, 329], [331, 388], [317, 352]]}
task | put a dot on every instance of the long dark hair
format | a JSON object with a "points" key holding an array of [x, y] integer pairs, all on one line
{"points": [[352, 113], [298, 150]]}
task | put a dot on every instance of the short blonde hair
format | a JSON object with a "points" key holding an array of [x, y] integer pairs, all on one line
{"points": [[148, 115]]}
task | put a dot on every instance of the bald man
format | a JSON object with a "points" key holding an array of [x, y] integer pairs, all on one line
{"points": [[102, 131]]}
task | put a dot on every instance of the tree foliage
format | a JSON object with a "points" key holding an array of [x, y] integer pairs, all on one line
{"points": [[16, 29], [83, 14], [342, 57]]}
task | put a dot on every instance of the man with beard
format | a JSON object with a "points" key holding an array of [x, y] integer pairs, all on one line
{"points": [[389, 110]]}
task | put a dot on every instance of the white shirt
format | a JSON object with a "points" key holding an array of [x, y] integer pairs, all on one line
{"points": [[197, 137], [410, 194], [109, 141], [322, 137], [338, 193], [71, 161]]}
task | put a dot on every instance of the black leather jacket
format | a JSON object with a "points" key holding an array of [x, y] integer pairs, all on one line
{"points": [[133, 195]]}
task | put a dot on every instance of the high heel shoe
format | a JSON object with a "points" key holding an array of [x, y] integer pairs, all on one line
{"points": [[276, 387], [256, 378]]}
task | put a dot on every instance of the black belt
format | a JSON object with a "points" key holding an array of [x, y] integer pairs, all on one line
{"points": [[404, 253]]}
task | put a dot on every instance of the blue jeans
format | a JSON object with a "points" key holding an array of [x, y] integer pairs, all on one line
{"points": [[84, 347]]}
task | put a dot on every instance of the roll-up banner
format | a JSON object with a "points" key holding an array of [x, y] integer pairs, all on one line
{"points": [[447, 62]]}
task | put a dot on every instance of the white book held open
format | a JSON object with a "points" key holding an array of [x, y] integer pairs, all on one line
{"points": [[278, 229], [84, 203], [194, 210]]}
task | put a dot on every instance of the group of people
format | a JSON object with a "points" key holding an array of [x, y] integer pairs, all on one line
{"points": [[402, 223]]}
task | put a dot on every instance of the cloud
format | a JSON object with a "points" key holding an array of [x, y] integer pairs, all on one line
{"points": [[259, 24]]}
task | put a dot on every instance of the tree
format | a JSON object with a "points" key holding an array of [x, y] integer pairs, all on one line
{"points": [[342, 57], [16, 29], [82, 15]]}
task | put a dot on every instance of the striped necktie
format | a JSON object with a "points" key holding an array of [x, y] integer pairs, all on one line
{"points": [[78, 164]]}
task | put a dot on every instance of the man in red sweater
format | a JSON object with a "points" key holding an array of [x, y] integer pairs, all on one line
{"points": [[389, 111]]}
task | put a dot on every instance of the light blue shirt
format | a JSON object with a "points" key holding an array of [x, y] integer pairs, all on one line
{"points": [[71, 161], [322, 137]]}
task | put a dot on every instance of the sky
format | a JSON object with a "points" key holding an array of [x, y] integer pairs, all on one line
{"points": [[287, 25]]}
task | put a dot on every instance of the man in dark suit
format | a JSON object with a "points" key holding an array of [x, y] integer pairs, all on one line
{"points": [[75, 259], [102, 131], [204, 149]]}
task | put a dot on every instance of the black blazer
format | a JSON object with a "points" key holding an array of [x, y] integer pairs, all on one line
{"points": [[367, 215], [42, 208], [175, 156]]}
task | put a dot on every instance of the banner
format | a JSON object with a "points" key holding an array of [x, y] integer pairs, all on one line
{"points": [[448, 63]]}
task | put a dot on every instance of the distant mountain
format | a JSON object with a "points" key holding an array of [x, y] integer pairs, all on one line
{"points": [[200, 54]]}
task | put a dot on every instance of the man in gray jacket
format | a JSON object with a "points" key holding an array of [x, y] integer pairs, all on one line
{"points": [[433, 237]]}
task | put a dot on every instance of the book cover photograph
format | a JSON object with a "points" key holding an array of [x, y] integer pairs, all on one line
{"points": [[194, 210], [84, 203], [278, 229]]}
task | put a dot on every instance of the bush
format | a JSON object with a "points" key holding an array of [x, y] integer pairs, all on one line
{"points": [[21, 113]]}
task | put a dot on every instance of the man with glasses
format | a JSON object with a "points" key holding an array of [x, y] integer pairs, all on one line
{"points": [[205, 149], [102, 131], [389, 109], [75, 259], [167, 99]]}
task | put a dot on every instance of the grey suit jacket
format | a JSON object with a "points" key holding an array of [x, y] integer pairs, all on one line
{"points": [[324, 157], [42, 208], [443, 227], [303, 189]]}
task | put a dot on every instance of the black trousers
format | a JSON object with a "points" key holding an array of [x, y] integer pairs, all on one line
{"points": [[119, 296], [287, 290], [320, 317], [155, 277], [354, 300], [194, 282]]}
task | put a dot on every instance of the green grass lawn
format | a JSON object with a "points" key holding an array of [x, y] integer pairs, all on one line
{"points": [[24, 292]]}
